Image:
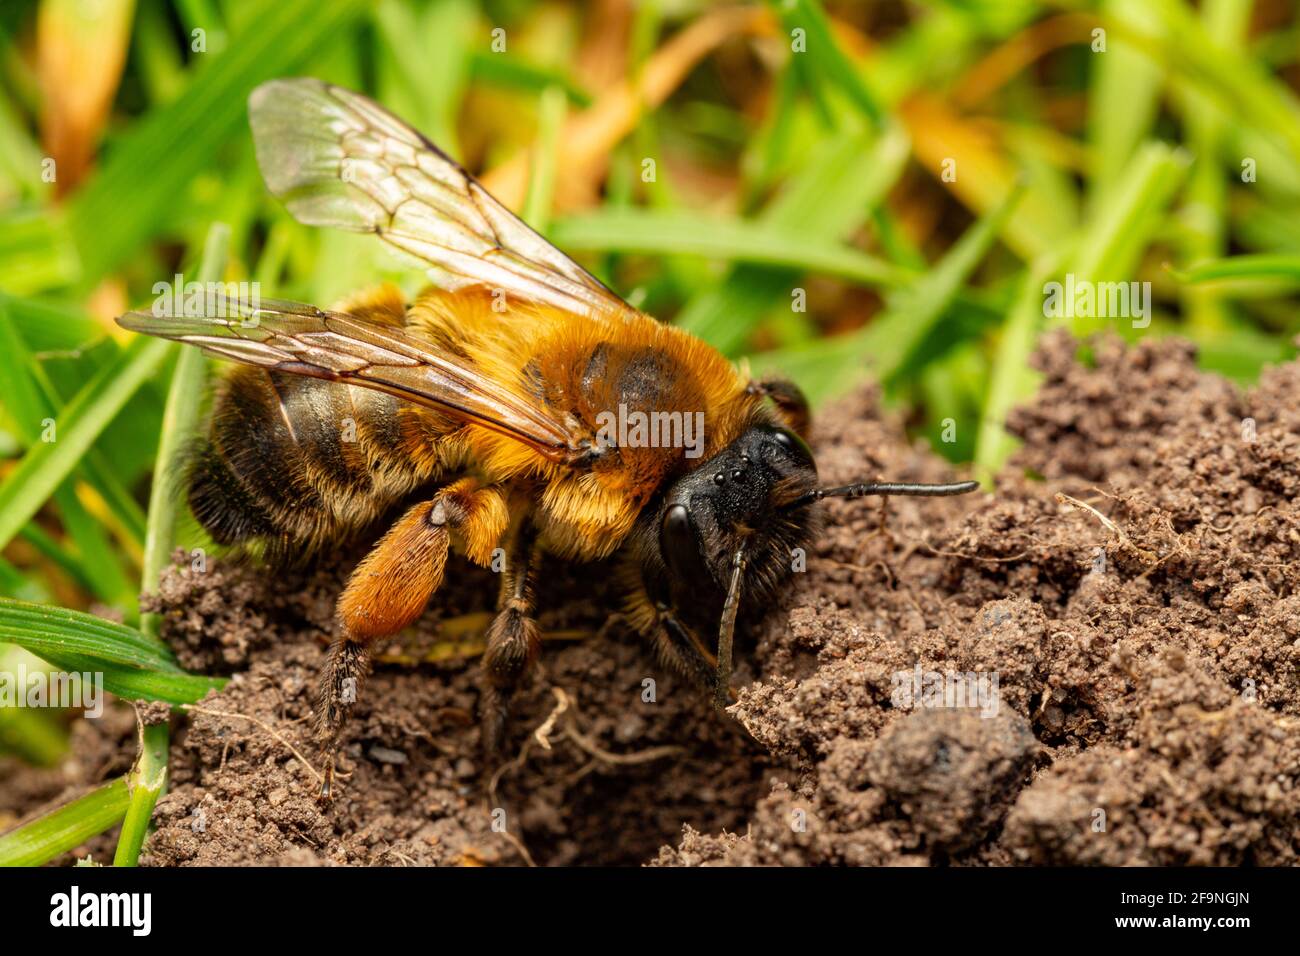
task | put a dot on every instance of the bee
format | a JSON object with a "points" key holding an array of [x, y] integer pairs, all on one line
{"points": [[481, 412]]}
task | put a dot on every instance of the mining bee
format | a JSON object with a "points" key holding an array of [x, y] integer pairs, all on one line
{"points": [[480, 408]]}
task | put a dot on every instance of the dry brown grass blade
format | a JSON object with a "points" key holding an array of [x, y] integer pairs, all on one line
{"points": [[80, 51], [1015, 54], [982, 171], [588, 137], [459, 638], [1120, 534]]}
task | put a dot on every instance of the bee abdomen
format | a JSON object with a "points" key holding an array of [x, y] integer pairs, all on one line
{"points": [[252, 437], [221, 503], [300, 463]]}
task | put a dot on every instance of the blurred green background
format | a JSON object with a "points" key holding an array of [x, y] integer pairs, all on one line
{"points": [[840, 191]]}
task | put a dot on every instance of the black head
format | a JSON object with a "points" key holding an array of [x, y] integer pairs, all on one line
{"points": [[738, 500], [735, 524]]}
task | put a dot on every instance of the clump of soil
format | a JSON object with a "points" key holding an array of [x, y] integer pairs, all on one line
{"points": [[601, 774], [1096, 664], [1137, 607]]}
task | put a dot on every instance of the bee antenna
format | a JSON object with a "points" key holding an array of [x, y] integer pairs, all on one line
{"points": [[727, 630], [862, 489]]}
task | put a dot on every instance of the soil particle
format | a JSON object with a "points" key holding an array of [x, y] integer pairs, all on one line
{"points": [[1129, 590], [152, 712], [952, 773]]}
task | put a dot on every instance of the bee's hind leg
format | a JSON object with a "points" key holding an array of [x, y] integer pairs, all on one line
{"points": [[513, 639], [390, 588]]}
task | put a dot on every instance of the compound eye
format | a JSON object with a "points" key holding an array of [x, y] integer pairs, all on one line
{"points": [[795, 446], [677, 539]]}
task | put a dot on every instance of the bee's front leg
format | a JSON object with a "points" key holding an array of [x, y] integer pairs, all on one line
{"points": [[682, 649], [674, 641], [391, 587]]}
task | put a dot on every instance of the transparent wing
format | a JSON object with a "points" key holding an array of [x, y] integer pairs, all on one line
{"points": [[339, 159], [289, 337]]}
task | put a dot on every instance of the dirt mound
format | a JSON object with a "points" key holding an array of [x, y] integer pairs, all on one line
{"points": [[1098, 664], [1143, 625]]}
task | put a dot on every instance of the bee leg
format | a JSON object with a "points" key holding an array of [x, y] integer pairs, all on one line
{"points": [[391, 587], [675, 643], [682, 650], [790, 402], [677, 646], [513, 639]]}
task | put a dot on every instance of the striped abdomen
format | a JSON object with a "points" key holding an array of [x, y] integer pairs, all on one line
{"points": [[291, 464]]}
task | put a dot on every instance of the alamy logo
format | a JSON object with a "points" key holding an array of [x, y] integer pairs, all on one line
{"points": [[103, 909], [939, 689], [218, 300], [40, 688], [1084, 299], [637, 429]]}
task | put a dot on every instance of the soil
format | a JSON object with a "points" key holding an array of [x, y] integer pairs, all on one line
{"points": [[1131, 587]]}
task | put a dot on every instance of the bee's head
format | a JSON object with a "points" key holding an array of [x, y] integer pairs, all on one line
{"points": [[732, 527], [739, 500]]}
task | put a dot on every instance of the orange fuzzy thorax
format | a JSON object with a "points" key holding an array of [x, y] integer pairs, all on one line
{"points": [[540, 352]]}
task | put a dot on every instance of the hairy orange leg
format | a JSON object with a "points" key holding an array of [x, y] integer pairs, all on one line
{"points": [[391, 587]]}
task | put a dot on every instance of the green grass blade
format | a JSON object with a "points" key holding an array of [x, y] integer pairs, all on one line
{"points": [[541, 176], [37, 251], [516, 73], [1252, 267], [830, 366], [147, 782], [1125, 91], [1239, 82], [29, 400], [130, 684], [56, 553], [16, 584], [1112, 242], [656, 232], [836, 192], [130, 516], [48, 464], [64, 829], [36, 734], [46, 630], [827, 57], [1205, 210], [1011, 378], [32, 734], [150, 168], [133, 666], [423, 63], [20, 155], [180, 420], [914, 312]]}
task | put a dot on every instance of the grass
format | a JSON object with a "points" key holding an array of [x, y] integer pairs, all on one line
{"points": [[819, 188], [133, 664]]}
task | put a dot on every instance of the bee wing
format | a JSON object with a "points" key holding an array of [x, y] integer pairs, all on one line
{"points": [[339, 159], [302, 339]]}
